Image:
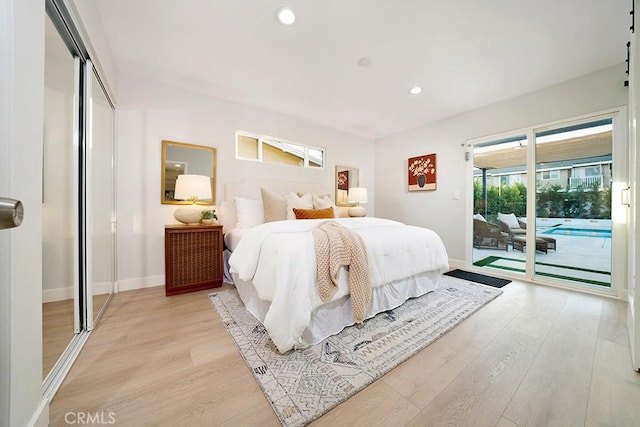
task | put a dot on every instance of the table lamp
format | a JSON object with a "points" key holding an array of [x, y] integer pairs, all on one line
{"points": [[358, 195], [191, 188]]}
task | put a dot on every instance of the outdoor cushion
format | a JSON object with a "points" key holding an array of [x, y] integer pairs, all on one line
{"points": [[509, 219]]}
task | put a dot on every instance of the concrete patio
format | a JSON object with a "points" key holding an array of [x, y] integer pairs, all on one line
{"points": [[583, 258]]}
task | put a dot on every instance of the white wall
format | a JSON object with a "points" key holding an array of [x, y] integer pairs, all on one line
{"points": [[21, 107], [88, 22], [149, 112], [6, 65], [437, 209]]}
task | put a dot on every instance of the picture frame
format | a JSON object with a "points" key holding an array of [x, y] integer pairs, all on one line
{"points": [[422, 172], [346, 177]]}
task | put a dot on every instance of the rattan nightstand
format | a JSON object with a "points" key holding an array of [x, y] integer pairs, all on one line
{"points": [[193, 258]]}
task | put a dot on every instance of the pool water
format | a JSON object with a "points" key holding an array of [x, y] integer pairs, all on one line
{"points": [[585, 232]]}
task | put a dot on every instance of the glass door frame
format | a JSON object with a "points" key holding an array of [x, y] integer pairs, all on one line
{"points": [[89, 161], [619, 211]]}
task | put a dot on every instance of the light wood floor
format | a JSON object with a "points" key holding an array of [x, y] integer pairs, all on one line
{"points": [[535, 356], [58, 329]]}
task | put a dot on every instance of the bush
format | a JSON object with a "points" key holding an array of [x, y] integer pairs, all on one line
{"points": [[551, 202]]}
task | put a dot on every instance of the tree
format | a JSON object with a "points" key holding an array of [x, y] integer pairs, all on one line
{"points": [[576, 203], [594, 197], [556, 201], [513, 198], [542, 202], [551, 201], [478, 199]]}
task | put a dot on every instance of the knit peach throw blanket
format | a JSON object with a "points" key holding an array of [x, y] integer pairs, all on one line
{"points": [[336, 246]]}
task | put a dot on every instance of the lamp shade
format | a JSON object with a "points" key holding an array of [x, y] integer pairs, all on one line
{"points": [[192, 187], [357, 194]]}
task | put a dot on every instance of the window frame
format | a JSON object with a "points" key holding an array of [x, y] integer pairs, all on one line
{"points": [[266, 139], [555, 172]]}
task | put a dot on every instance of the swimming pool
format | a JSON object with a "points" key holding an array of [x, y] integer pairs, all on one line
{"points": [[584, 232]]}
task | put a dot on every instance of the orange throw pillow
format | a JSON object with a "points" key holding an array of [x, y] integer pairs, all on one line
{"points": [[313, 213]]}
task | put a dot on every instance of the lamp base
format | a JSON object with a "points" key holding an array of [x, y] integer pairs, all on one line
{"points": [[357, 211], [188, 214]]}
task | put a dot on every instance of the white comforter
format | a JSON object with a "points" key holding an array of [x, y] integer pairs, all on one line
{"points": [[278, 258]]}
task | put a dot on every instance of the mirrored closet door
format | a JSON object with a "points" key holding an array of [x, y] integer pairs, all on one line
{"points": [[101, 196], [78, 221], [60, 263]]}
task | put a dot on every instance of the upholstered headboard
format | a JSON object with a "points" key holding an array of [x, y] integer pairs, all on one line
{"points": [[250, 189]]}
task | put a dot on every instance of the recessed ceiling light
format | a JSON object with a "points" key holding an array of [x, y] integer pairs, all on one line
{"points": [[365, 62], [415, 90], [285, 15]]}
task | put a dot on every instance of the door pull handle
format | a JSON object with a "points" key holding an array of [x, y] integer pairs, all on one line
{"points": [[11, 213]]}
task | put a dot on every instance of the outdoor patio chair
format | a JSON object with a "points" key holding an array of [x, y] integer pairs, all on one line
{"points": [[512, 225], [487, 235], [519, 243]]}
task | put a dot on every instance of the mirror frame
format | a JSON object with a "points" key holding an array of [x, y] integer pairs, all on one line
{"points": [[354, 177], [166, 144]]}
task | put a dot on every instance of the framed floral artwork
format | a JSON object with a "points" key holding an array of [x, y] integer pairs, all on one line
{"points": [[422, 172], [343, 180]]}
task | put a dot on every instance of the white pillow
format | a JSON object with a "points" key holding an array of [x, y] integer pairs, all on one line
{"points": [[249, 212], [295, 201], [274, 205], [479, 217], [509, 219], [322, 202]]}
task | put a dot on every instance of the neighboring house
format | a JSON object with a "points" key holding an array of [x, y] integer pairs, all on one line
{"points": [[568, 175]]}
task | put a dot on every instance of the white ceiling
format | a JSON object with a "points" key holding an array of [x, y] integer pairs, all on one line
{"points": [[464, 53]]}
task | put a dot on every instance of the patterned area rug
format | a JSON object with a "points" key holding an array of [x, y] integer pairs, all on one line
{"points": [[302, 385]]}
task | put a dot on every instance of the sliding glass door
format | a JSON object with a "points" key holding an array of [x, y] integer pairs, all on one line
{"points": [[500, 202], [547, 203], [574, 178]]}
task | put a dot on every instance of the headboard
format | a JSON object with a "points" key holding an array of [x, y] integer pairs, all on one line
{"points": [[250, 188]]}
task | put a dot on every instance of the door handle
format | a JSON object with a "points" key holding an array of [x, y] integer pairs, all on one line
{"points": [[11, 213], [624, 196]]}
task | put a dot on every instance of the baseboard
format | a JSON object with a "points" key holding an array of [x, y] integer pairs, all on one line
{"points": [[139, 283], [102, 288], [40, 418], [455, 263], [61, 294]]}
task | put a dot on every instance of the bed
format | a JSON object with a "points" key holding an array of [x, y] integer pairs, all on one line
{"points": [[273, 266]]}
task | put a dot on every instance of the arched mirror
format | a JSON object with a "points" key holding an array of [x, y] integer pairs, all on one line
{"points": [[346, 177], [179, 158]]}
